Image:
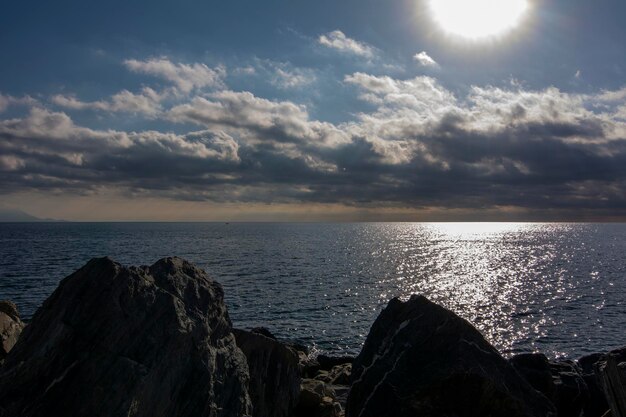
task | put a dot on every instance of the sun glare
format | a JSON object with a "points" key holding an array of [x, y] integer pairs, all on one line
{"points": [[475, 19]]}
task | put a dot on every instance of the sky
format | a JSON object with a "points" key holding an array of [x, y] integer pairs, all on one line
{"points": [[323, 110]]}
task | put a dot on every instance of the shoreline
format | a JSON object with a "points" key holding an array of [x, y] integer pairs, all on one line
{"points": [[417, 358]]}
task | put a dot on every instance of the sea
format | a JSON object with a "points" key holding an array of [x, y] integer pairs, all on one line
{"points": [[556, 288]]}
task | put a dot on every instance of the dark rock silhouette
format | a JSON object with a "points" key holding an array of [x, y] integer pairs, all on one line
{"points": [[597, 404], [611, 372], [421, 359], [561, 382], [10, 327], [274, 374], [134, 342]]}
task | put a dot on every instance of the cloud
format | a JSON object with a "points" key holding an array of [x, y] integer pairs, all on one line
{"points": [[6, 101], [339, 41], [417, 145], [47, 150], [282, 75], [186, 77], [612, 96], [288, 79], [148, 102], [425, 60]]}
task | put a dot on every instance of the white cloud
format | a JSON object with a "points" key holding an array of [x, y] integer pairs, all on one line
{"points": [[7, 100], [146, 103], [425, 60], [257, 119], [186, 77], [612, 96], [339, 41]]}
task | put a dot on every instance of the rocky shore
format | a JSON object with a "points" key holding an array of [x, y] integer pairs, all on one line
{"points": [[157, 341]]}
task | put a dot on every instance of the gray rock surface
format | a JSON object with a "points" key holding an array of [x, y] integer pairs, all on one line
{"points": [[10, 327], [421, 359], [317, 399], [274, 374], [113, 341]]}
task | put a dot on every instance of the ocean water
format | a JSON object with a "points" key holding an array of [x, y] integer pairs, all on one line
{"points": [[555, 288]]}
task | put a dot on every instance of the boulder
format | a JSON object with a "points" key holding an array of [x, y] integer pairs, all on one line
{"points": [[561, 382], [611, 371], [263, 331], [597, 405], [113, 341], [571, 391], [10, 327], [338, 375], [328, 362], [274, 374], [317, 399], [421, 359], [535, 368]]}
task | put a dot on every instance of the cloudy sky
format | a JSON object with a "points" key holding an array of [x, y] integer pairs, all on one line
{"points": [[311, 110]]}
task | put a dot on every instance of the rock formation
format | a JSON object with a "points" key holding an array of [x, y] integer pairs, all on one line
{"points": [[10, 327], [421, 359], [134, 342], [274, 374], [561, 382]]}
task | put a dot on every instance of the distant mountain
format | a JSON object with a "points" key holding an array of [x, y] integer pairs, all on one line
{"points": [[9, 215]]}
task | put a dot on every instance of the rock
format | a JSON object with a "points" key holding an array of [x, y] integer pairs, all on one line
{"points": [[597, 405], [328, 362], [263, 331], [421, 359], [339, 375], [317, 399], [561, 382], [274, 374], [535, 368], [135, 342], [10, 309], [611, 371], [10, 327], [571, 393]]}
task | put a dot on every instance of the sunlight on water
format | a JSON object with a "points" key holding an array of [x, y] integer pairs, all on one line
{"points": [[490, 274], [556, 288]]}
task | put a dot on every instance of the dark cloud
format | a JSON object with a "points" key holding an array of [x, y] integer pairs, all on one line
{"points": [[421, 146]]}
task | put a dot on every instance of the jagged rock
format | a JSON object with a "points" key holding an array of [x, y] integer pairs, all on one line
{"points": [[263, 331], [561, 382], [339, 375], [329, 362], [571, 392], [611, 371], [317, 399], [597, 404], [10, 327], [535, 368], [274, 374], [421, 359], [128, 342]]}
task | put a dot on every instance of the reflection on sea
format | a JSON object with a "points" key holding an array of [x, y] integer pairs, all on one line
{"points": [[558, 288]]}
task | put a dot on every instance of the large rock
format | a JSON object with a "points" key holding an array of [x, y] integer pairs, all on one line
{"points": [[317, 399], [274, 374], [561, 382], [10, 327], [421, 359], [128, 342], [611, 371], [572, 393], [597, 405]]}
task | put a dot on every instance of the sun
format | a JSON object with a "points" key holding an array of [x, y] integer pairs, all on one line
{"points": [[476, 19]]}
